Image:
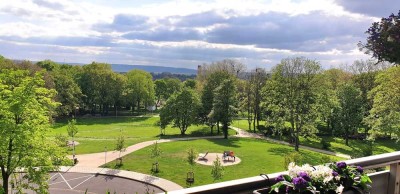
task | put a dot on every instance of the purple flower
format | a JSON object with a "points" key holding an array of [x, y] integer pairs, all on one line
{"points": [[279, 178], [360, 169], [305, 176], [299, 183], [341, 165], [334, 173]]}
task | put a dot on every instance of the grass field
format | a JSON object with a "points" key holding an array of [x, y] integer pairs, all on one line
{"points": [[354, 149], [97, 133], [258, 156]]}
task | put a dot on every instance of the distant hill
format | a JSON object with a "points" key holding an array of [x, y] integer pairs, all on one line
{"points": [[153, 69]]}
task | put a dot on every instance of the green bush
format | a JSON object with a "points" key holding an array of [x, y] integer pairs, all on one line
{"points": [[325, 144], [295, 157]]}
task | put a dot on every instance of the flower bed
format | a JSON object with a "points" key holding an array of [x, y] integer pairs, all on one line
{"points": [[324, 179]]}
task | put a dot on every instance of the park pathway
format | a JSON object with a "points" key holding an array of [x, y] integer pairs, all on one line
{"points": [[98, 159], [244, 133]]}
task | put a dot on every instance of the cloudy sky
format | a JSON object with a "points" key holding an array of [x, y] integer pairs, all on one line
{"points": [[186, 33]]}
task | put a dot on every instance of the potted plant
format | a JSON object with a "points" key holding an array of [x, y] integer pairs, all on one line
{"points": [[335, 178]]}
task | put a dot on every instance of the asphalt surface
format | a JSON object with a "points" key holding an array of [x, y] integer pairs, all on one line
{"points": [[71, 183]]}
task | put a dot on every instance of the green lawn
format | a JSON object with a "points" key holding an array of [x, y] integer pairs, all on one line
{"points": [[355, 147], [258, 156], [97, 133]]}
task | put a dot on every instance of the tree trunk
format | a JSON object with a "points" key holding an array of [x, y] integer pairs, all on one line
{"points": [[212, 127], [347, 136], [5, 181], [218, 128], [297, 143], [225, 130], [254, 122]]}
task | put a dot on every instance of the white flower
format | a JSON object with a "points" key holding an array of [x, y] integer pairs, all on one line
{"points": [[276, 190], [327, 179], [321, 172], [294, 170], [339, 189]]}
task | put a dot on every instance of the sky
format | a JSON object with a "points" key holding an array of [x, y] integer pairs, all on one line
{"points": [[188, 33]]}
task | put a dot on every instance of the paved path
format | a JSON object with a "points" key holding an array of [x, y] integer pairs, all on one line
{"points": [[98, 159], [243, 133]]}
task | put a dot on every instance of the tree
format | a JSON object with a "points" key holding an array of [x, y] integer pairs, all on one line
{"points": [[217, 171], [190, 83], [140, 88], [160, 90], [181, 109], [25, 107], [258, 78], [69, 93], [120, 146], [224, 106], [349, 113], [383, 39], [155, 153], [173, 85], [207, 97], [291, 94], [72, 130], [384, 116]]}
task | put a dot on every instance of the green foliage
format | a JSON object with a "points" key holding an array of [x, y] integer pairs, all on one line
{"points": [[295, 157], [181, 109], [383, 39], [191, 156], [140, 88], [61, 140], [217, 171], [385, 113], [224, 105], [325, 144], [291, 94], [25, 108], [120, 146], [350, 112]]}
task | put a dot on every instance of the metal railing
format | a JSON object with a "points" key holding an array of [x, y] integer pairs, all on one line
{"points": [[384, 182]]}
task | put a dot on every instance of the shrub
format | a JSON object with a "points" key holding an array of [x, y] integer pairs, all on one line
{"points": [[325, 144], [61, 140], [295, 157], [217, 170]]}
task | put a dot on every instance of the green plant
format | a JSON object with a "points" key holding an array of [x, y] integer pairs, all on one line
{"points": [[325, 144], [295, 157], [61, 140], [155, 153], [217, 170]]}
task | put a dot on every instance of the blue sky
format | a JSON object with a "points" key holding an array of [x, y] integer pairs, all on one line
{"points": [[187, 33]]}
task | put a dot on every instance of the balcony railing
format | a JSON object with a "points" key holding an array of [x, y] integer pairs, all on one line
{"points": [[384, 182]]}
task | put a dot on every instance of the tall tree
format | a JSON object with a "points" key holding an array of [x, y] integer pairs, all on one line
{"points": [[383, 39], [225, 104], [160, 91], [384, 116], [292, 94], [350, 111], [181, 109], [257, 81], [140, 88], [25, 107]]}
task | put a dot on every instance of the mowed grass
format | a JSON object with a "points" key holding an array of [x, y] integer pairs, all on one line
{"points": [[338, 145], [258, 156], [97, 134]]}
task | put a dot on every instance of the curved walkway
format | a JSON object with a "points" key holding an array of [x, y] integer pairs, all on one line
{"points": [[89, 163], [243, 133]]}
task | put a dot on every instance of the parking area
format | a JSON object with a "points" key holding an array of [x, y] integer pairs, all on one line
{"points": [[68, 182]]}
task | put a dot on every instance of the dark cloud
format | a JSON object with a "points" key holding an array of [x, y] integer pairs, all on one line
{"points": [[377, 8], [165, 34], [281, 31], [125, 23], [49, 4]]}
